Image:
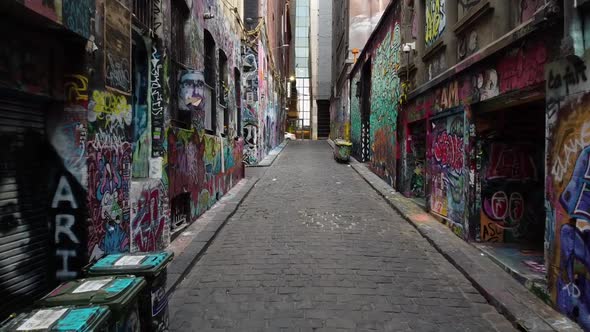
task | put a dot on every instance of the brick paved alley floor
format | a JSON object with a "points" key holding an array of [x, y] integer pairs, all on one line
{"points": [[313, 247]]}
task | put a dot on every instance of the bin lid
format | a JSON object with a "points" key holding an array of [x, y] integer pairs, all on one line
{"points": [[142, 264], [70, 319], [117, 292], [341, 142]]}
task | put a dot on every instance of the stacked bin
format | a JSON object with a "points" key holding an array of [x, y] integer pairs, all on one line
{"points": [[153, 303], [342, 150], [60, 319], [119, 293]]}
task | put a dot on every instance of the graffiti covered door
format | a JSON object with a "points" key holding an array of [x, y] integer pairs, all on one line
{"points": [[416, 158], [446, 168], [24, 232]]}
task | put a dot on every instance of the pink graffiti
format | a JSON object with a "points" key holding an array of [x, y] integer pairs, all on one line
{"points": [[522, 68], [448, 150]]}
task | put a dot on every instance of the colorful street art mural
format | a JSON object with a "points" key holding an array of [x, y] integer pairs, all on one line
{"points": [[150, 216], [567, 186], [385, 92], [202, 167], [109, 153], [250, 117], [447, 167], [436, 20]]}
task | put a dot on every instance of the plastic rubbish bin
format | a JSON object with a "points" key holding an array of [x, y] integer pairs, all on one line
{"points": [[342, 150], [119, 293], [153, 305], [62, 319]]}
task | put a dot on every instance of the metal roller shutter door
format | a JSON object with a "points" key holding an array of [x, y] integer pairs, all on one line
{"points": [[24, 232]]}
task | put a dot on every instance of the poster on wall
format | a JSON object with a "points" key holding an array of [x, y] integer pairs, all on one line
{"points": [[117, 46]]}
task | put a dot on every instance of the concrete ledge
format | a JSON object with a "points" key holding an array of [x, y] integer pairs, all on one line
{"points": [[191, 244], [272, 155], [521, 307]]}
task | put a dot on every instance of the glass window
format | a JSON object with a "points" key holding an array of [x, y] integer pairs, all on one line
{"points": [[302, 3], [302, 21], [303, 11], [301, 52], [302, 72], [302, 32], [302, 42], [301, 62]]}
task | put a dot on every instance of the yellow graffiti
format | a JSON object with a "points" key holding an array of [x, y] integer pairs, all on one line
{"points": [[76, 88], [109, 103], [110, 107], [435, 20]]}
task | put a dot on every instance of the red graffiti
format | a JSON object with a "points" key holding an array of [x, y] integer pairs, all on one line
{"points": [[149, 222], [448, 150], [511, 163], [522, 68]]}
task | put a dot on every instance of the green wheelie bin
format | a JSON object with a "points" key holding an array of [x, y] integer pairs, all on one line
{"points": [[120, 293], [60, 319], [153, 305]]}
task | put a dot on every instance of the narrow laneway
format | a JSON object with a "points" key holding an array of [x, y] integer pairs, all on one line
{"points": [[313, 247]]}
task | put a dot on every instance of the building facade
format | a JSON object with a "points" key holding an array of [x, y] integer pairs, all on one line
{"points": [[353, 21], [477, 110], [124, 121]]}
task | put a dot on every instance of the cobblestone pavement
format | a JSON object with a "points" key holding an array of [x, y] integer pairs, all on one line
{"points": [[314, 248]]}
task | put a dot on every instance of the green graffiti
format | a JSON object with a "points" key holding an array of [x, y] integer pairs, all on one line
{"points": [[385, 84]]}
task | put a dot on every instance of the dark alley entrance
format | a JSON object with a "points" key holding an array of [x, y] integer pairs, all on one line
{"points": [[510, 188]]}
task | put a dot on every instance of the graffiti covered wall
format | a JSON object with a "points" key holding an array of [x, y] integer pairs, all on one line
{"points": [[385, 93], [109, 172], [567, 237], [201, 166]]}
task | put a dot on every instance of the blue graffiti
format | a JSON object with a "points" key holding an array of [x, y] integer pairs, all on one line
{"points": [[573, 285]]}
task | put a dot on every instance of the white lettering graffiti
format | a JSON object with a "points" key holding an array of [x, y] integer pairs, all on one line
{"points": [[65, 273], [63, 194], [571, 149], [63, 226]]}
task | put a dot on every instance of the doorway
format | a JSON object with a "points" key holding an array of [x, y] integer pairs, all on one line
{"points": [[510, 154], [324, 119], [416, 154]]}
